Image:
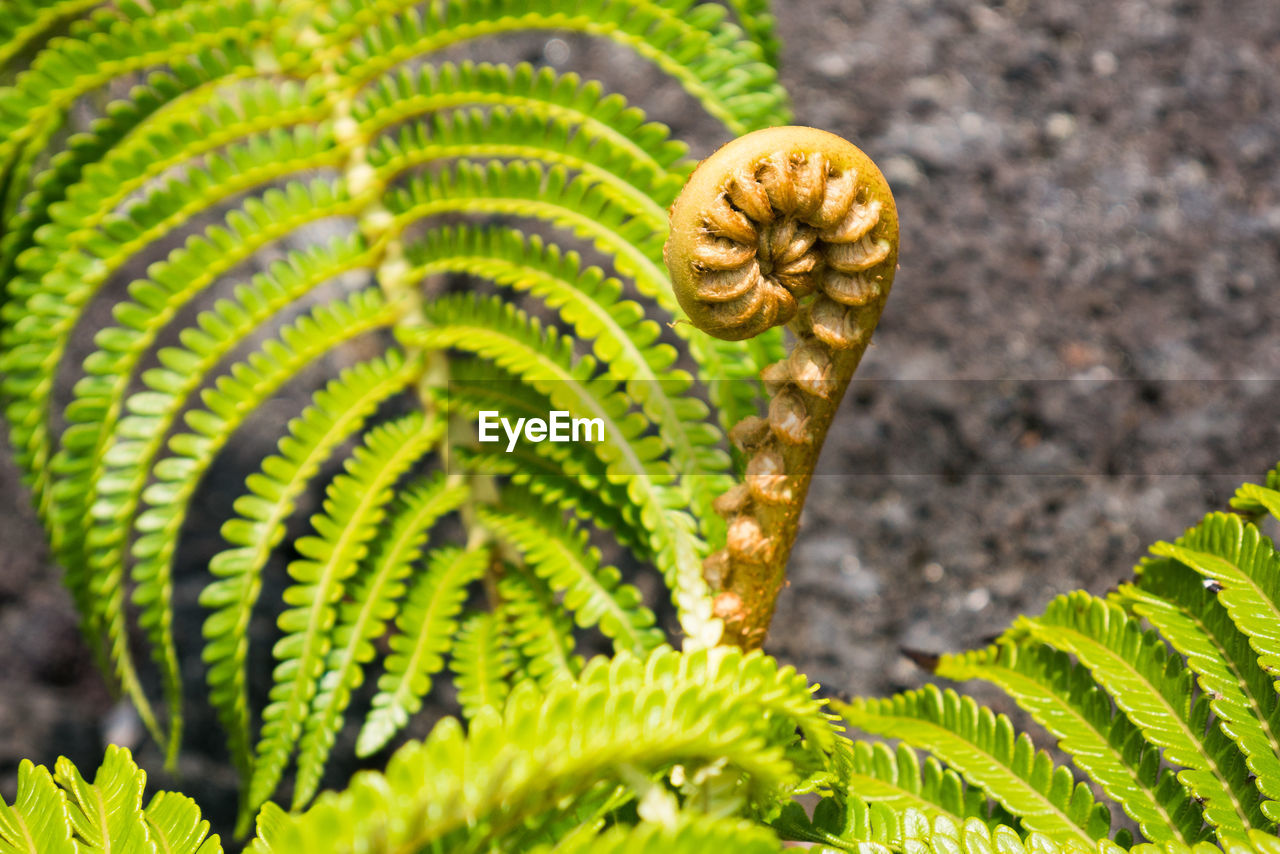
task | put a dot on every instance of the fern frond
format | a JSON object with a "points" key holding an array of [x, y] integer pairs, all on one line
{"points": [[336, 412], [1063, 698], [35, 347], [165, 125], [1154, 689], [569, 476], [65, 168], [355, 505], [577, 204], [576, 744], [483, 661], [540, 630], [622, 338], [985, 749], [1174, 599], [233, 398], [710, 58], [106, 815], [540, 93], [1235, 555], [542, 358], [426, 629], [373, 602], [35, 106], [502, 134], [558, 552], [897, 780]]}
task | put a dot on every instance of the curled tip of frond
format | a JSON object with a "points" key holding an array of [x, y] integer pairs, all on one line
{"points": [[796, 226], [780, 221]]}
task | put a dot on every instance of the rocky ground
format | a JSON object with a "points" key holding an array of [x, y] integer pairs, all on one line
{"points": [[1079, 357]]}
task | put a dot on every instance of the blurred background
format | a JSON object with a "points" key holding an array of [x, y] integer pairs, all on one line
{"points": [[1080, 355]]}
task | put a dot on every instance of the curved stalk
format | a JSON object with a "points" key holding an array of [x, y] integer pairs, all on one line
{"points": [[791, 226]]}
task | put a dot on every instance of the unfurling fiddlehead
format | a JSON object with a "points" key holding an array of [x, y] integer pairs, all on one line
{"points": [[790, 226]]}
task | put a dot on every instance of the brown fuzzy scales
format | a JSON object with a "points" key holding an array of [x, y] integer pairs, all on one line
{"points": [[790, 226]]}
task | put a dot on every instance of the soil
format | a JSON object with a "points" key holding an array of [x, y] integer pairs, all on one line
{"points": [[1079, 357]]}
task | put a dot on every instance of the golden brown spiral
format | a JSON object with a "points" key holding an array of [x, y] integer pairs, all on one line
{"points": [[772, 218], [783, 226]]}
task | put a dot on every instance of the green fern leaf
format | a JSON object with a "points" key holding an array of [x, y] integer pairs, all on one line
{"points": [[899, 781], [759, 23], [578, 205], [622, 338], [876, 786], [26, 23], [1235, 555], [984, 749], [569, 476], [501, 134], [427, 626], [540, 629], [175, 826], [337, 412], [354, 507], [540, 93], [1173, 599], [103, 817], [1153, 689], [378, 586], [558, 552], [39, 821], [551, 754], [710, 58], [1063, 698], [483, 661], [542, 358], [1256, 500]]}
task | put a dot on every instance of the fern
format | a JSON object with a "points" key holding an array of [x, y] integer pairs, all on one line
{"points": [[289, 186], [1220, 739], [427, 628], [985, 749], [537, 764], [249, 129], [63, 813]]}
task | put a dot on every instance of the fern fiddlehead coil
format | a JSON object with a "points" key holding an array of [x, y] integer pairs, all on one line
{"points": [[793, 226]]}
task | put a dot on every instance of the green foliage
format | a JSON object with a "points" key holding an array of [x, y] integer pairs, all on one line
{"points": [[274, 189], [566, 761], [271, 189], [1176, 722], [63, 813]]}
